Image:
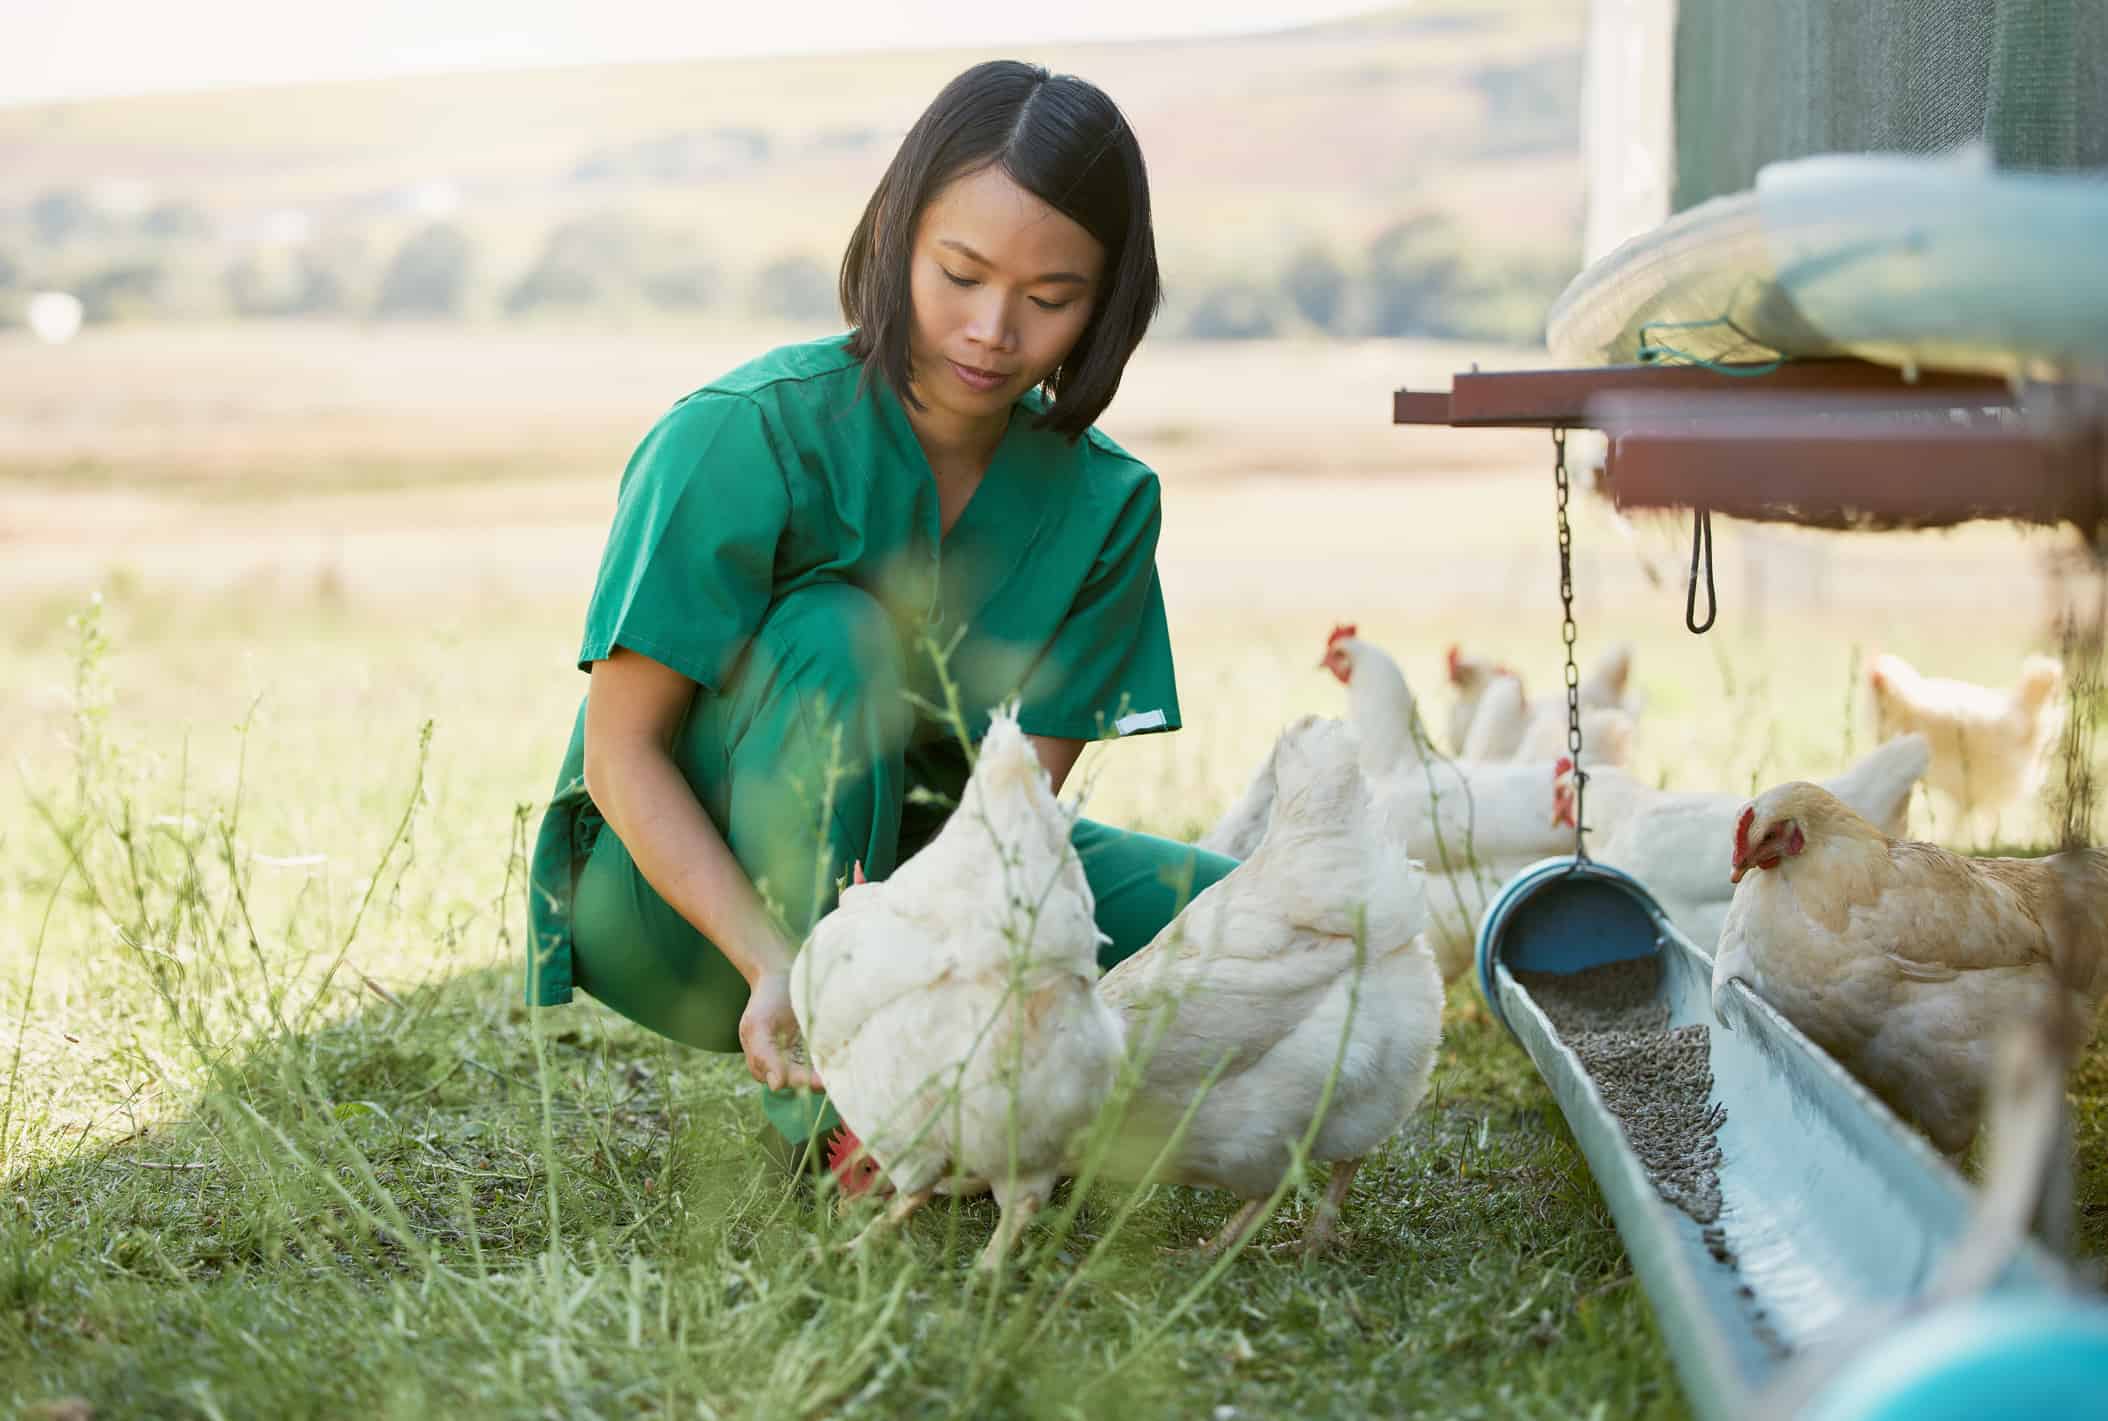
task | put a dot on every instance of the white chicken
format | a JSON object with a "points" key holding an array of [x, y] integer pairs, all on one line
{"points": [[1989, 747], [1471, 677], [951, 1008], [1384, 713], [1305, 961], [1676, 843], [1540, 724], [1902, 960], [1239, 830], [1475, 824], [1488, 809], [1381, 707], [1505, 728]]}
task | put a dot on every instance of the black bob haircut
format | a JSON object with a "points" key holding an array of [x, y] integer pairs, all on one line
{"points": [[1060, 139]]}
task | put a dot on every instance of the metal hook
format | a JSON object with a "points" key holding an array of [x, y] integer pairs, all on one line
{"points": [[1701, 536]]}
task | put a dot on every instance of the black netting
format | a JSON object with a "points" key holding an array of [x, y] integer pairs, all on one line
{"points": [[1761, 80]]}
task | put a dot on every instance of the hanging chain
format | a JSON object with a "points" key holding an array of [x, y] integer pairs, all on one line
{"points": [[1567, 634]]}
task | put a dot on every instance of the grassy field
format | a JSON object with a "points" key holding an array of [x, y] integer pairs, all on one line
{"points": [[278, 1138]]}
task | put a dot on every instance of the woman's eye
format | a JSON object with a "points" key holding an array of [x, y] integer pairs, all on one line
{"points": [[957, 280], [1050, 305]]}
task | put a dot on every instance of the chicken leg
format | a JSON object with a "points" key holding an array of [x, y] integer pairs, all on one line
{"points": [[1018, 1209], [1322, 1232], [1240, 1223], [897, 1213]]}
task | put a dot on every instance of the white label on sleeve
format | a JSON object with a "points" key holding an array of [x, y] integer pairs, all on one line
{"points": [[1140, 720]]}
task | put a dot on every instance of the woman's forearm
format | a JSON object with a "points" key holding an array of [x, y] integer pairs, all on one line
{"points": [[641, 794]]}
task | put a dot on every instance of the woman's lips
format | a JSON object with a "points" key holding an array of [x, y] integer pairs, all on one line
{"points": [[982, 381]]}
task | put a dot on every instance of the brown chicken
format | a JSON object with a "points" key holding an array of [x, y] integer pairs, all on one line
{"points": [[1902, 960]]}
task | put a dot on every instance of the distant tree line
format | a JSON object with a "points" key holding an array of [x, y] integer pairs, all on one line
{"points": [[1422, 275]]}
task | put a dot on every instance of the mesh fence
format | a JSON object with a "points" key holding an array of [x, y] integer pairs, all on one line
{"points": [[1761, 80]]}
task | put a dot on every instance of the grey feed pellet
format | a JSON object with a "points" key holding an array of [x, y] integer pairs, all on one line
{"points": [[1657, 1081]]}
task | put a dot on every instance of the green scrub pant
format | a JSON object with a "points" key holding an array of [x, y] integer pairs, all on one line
{"points": [[814, 719]]}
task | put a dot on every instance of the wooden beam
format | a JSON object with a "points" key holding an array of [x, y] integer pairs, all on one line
{"points": [[1590, 399]]}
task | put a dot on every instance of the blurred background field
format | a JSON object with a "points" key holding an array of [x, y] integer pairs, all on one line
{"points": [[701, 191], [448, 488], [332, 461]]}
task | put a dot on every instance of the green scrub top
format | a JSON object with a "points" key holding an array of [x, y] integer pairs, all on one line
{"points": [[785, 473]]}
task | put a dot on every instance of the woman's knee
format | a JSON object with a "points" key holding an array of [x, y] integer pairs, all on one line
{"points": [[832, 646], [1140, 882], [840, 634]]}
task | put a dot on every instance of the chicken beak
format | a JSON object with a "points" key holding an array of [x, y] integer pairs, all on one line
{"points": [[1740, 869]]}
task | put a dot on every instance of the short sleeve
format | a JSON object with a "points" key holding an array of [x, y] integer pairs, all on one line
{"points": [[690, 559], [1108, 669]]}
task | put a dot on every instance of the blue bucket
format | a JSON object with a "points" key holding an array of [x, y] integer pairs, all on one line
{"points": [[1987, 1356], [1565, 914]]}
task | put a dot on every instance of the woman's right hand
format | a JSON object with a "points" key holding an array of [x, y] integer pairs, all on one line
{"points": [[634, 708], [768, 1033]]}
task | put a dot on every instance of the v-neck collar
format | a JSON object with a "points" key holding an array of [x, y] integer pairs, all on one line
{"points": [[1001, 521], [998, 458], [929, 506]]}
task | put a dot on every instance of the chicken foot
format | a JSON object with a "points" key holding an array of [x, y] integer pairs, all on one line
{"points": [[897, 1213], [1319, 1235]]}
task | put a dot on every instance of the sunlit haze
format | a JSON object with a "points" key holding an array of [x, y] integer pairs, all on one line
{"points": [[77, 48]]}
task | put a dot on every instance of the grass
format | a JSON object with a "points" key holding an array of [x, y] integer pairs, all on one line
{"points": [[238, 1184], [279, 1140], [282, 1142]]}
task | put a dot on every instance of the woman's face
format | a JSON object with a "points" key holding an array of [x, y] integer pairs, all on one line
{"points": [[1003, 286]]}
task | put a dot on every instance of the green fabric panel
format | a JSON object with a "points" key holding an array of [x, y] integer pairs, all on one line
{"points": [[1759, 83]]}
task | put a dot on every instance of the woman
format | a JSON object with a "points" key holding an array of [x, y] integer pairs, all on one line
{"points": [[792, 542]]}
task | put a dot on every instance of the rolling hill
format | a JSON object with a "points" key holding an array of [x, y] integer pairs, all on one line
{"points": [[1445, 132]]}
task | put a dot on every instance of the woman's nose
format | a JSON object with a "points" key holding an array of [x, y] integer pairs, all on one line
{"points": [[989, 321]]}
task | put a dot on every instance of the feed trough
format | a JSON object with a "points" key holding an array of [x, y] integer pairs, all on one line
{"points": [[1771, 1207]]}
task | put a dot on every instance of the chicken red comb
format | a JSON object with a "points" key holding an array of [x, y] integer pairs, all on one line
{"points": [[1564, 767], [1456, 655], [1339, 634], [1749, 817], [854, 1171]]}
